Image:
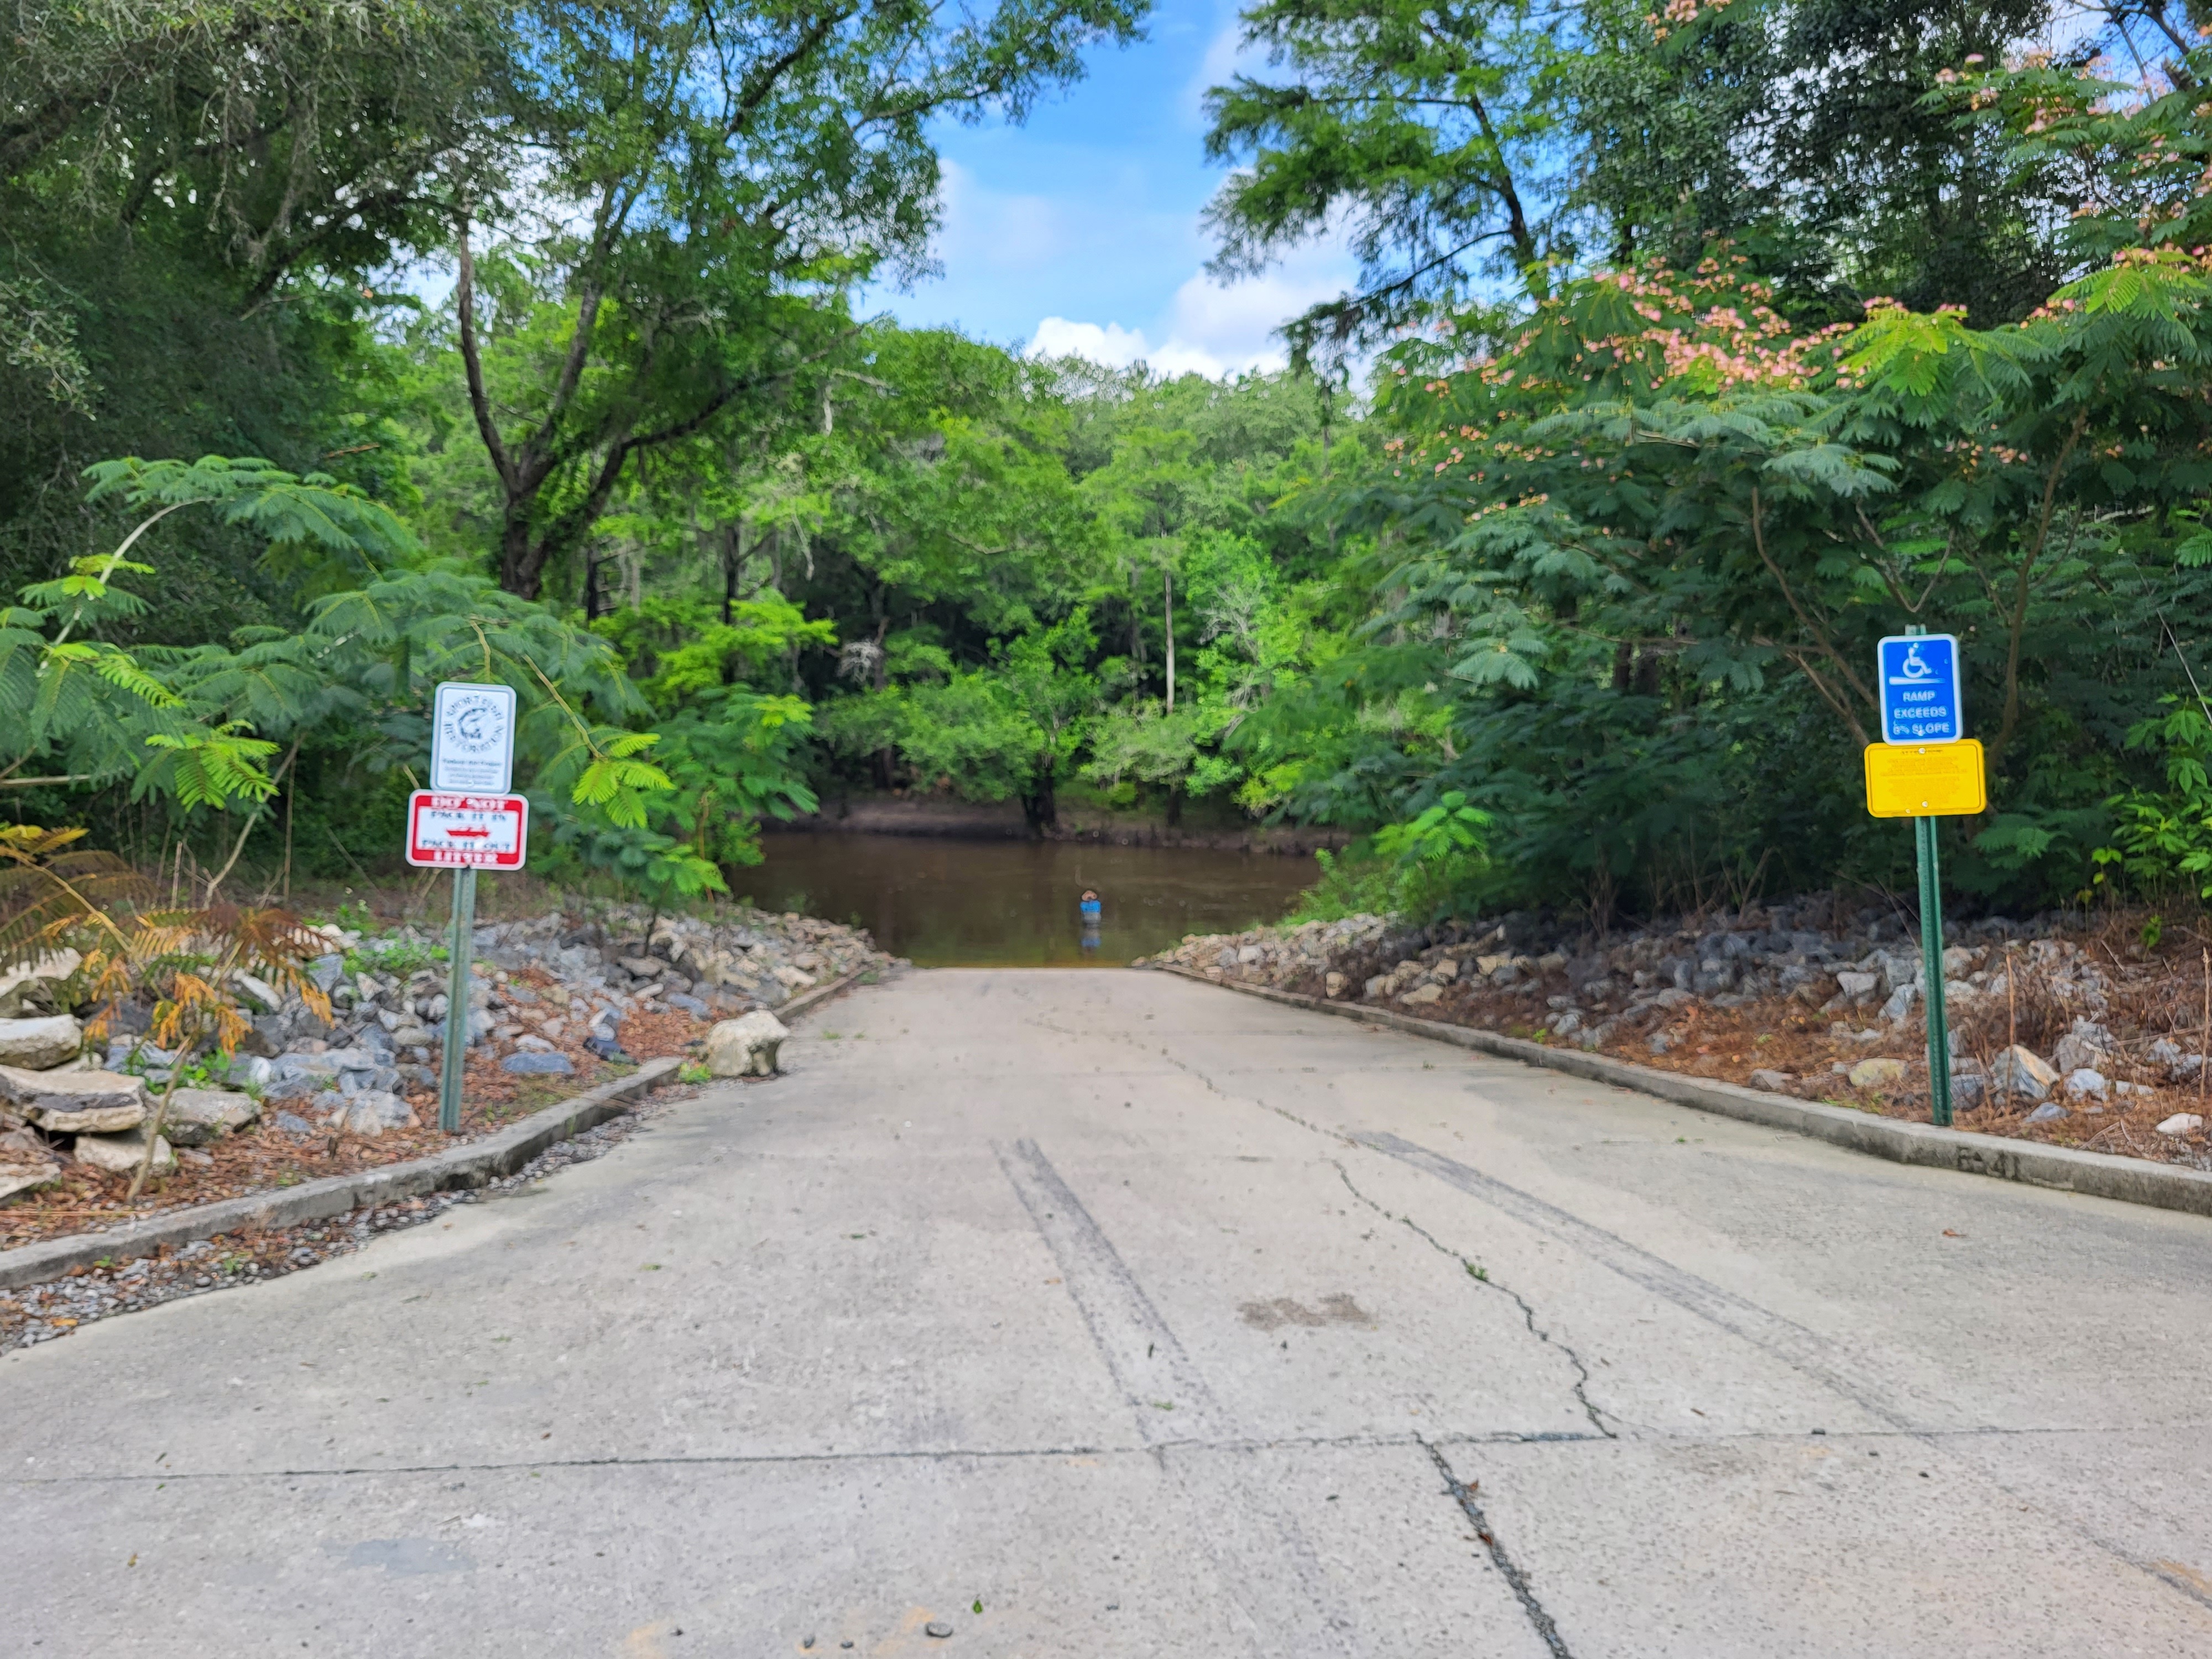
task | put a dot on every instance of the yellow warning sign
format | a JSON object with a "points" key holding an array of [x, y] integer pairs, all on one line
{"points": [[1925, 779]]}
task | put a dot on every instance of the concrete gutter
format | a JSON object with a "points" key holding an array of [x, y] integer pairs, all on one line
{"points": [[2098, 1174], [473, 1164]]}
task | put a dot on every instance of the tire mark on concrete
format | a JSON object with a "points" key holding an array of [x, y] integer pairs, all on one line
{"points": [[1252, 1542], [1141, 1353]]}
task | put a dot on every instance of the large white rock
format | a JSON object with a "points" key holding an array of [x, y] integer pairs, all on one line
{"points": [[746, 1047], [121, 1154], [75, 1103], [35, 1044], [196, 1116]]}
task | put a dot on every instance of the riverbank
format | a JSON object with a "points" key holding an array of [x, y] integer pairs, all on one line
{"points": [[560, 1001], [1207, 826], [2074, 1033]]}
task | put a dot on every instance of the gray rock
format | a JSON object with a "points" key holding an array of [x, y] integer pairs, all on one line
{"points": [[381, 1077], [375, 1111], [25, 1177], [36, 1044], [294, 1086], [690, 1005], [936, 1628], [326, 971], [121, 1154], [2075, 1053], [2018, 1071], [2050, 1112], [1901, 1002], [2084, 1080], [530, 1065], [285, 1068], [1768, 1078], [75, 1102], [249, 1070], [38, 988], [293, 1124], [260, 993], [1857, 988], [196, 1116]]}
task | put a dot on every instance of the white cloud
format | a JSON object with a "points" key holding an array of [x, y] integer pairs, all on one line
{"points": [[1208, 328], [1226, 56], [1117, 348]]}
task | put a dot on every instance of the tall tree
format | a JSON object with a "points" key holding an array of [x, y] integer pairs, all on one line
{"points": [[1421, 127], [697, 187]]}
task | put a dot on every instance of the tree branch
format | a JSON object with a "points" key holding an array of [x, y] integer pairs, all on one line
{"points": [[465, 306]]}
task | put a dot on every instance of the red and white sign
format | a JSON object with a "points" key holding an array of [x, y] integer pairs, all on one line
{"points": [[467, 832]]}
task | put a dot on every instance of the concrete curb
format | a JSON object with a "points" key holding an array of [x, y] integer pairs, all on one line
{"points": [[819, 994], [2097, 1174], [471, 1164]]}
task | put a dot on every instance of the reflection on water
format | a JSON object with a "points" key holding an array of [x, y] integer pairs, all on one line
{"points": [[1016, 903]]}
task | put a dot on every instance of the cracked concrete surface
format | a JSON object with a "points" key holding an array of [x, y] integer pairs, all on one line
{"points": [[962, 1312]]}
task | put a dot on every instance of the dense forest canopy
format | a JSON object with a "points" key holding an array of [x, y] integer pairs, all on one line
{"points": [[1694, 348]]}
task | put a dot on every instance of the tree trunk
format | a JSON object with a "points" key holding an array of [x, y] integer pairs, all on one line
{"points": [[1039, 808], [1171, 632]]}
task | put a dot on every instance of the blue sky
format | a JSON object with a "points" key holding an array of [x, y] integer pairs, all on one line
{"points": [[1080, 231]]}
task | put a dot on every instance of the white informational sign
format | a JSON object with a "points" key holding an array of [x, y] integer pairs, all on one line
{"points": [[472, 739], [467, 832]]}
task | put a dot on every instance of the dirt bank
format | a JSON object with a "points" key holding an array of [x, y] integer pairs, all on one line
{"points": [[1212, 828]]}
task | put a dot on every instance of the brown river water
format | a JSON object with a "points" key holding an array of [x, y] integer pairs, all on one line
{"points": [[951, 903]]}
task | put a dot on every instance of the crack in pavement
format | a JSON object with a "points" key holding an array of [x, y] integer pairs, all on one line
{"points": [[1796, 1345], [1009, 1454], [1481, 1276], [1463, 1494], [782, 1460]]}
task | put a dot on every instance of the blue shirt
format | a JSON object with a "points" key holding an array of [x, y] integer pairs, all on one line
{"points": [[1089, 907]]}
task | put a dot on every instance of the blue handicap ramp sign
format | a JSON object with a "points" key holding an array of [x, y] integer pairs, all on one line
{"points": [[1920, 700]]}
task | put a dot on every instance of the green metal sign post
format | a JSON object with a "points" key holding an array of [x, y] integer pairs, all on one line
{"points": [[1925, 767], [1931, 960], [457, 1000]]}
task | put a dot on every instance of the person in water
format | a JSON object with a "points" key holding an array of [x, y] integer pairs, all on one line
{"points": [[1089, 910], [1089, 905]]}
